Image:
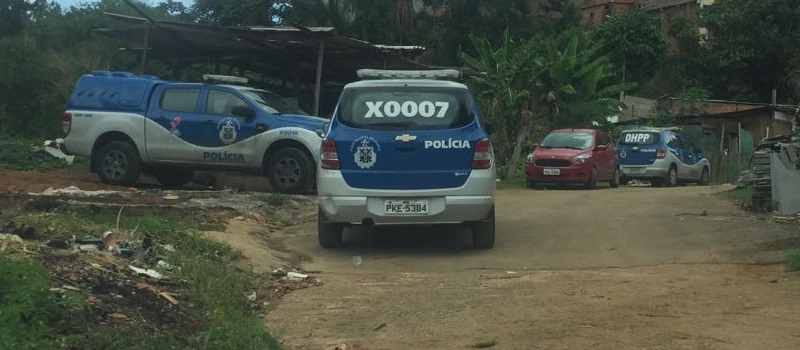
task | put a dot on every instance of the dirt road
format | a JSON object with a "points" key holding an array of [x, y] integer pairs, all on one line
{"points": [[632, 268]]}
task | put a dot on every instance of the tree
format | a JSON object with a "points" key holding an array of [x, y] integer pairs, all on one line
{"points": [[235, 13], [753, 47], [540, 84], [503, 87], [634, 40], [570, 85]]}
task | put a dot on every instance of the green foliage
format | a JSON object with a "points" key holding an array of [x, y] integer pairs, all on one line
{"points": [[793, 261], [634, 39], [25, 304], [215, 287], [752, 47], [276, 199], [19, 156]]}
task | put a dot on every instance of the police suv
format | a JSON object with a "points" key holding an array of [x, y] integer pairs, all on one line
{"points": [[406, 148], [664, 156], [127, 124]]}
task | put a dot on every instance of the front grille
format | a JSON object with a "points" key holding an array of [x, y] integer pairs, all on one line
{"points": [[555, 163]]}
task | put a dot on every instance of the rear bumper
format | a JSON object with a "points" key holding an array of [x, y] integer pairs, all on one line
{"points": [[644, 172], [578, 173], [342, 203]]}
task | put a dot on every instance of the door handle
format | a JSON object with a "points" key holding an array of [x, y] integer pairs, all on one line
{"points": [[209, 121]]}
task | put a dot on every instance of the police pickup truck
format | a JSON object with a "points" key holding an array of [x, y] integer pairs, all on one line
{"points": [[128, 124]]}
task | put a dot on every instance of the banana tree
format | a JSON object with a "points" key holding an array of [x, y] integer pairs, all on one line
{"points": [[569, 90], [503, 86]]}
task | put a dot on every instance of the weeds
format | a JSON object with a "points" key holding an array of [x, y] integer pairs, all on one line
{"points": [[793, 261], [213, 285], [19, 156], [276, 199]]}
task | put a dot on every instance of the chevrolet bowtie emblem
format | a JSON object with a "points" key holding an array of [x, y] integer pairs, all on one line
{"points": [[405, 138]]}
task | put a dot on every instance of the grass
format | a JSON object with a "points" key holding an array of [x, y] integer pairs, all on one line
{"points": [[276, 199], [742, 193], [17, 155], [515, 183], [214, 287], [793, 261]]}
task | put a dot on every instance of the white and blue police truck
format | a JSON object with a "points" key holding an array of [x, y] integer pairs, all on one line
{"points": [[406, 148], [128, 125]]}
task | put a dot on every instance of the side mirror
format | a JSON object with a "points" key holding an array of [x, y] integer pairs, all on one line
{"points": [[244, 112], [489, 128]]}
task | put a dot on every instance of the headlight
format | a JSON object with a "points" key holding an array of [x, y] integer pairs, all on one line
{"points": [[531, 158], [581, 158]]}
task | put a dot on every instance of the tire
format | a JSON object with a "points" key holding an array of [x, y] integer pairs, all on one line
{"points": [[173, 177], [616, 179], [118, 163], [705, 177], [483, 232], [290, 170], [328, 233], [592, 184], [672, 177]]}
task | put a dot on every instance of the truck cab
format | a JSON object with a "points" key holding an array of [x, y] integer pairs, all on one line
{"points": [[128, 124]]}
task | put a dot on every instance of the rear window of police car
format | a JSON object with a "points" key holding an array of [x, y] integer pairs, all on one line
{"points": [[402, 108], [639, 138]]}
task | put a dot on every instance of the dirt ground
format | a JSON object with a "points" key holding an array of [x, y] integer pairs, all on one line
{"points": [[627, 268]]}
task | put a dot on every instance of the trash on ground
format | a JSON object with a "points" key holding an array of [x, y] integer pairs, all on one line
{"points": [[171, 197], [357, 260], [151, 273], [379, 327], [484, 344], [88, 248], [279, 272], [166, 266], [253, 296], [296, 276], [73, 191], [53, 148]]}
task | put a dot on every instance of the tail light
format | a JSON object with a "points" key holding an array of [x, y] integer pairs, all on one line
{"points": [[662, 153], [66, 123], [483, 155], [329, 158]]}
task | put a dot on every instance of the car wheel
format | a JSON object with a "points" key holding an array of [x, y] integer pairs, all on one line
{"points": [[290, 170], [672, 177], [616, 179], [483, 232], [704, 177], [173, 177], [329, 233], [592, 183], [118, 163]]}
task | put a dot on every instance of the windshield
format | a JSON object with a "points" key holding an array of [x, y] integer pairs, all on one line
{"points": [[394, 108], [271, 102], [638, 138], [580, 141]]}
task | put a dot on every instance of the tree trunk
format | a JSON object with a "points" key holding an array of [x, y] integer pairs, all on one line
{"points": [[511, 172]]}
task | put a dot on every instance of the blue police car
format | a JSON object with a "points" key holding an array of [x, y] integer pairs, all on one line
{"points": [[406, 148], [663, 156]]}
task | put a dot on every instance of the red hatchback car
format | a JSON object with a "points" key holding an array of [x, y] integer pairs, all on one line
{"points": [[578, 156]]}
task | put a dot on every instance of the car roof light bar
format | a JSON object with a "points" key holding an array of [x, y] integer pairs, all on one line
{"points": [[224, 79], [408, 74]]}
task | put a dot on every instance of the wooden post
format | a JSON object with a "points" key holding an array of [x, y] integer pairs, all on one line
{"points": [[318, 87], [722, 137], [740, 148], [145, 49]]}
